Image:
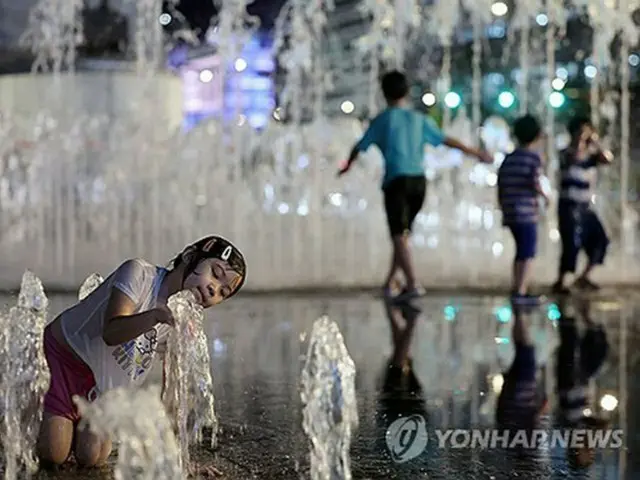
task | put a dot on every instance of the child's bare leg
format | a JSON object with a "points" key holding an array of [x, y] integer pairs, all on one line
{"points": [[393, 269], [54, 440], [90, 449], [522, 273], [401, 247]]}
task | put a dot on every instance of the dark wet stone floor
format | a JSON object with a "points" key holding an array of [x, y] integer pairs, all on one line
{"points": [[462, 342]]}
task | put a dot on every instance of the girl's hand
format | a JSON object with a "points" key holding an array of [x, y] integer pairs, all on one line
{"points": [[164, 315]]}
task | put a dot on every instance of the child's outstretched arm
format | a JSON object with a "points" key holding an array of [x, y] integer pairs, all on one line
{"points": [[122, 324], [481, 155], [369, 138], [353, 156]]}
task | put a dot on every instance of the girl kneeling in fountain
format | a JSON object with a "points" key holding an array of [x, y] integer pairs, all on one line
{"points": [[111, 338]]}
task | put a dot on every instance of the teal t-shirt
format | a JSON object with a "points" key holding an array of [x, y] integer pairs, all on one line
{"points": [[401, 135]]}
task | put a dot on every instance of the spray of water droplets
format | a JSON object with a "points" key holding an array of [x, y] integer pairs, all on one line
{"points": [[24, 376], [189, 386], [92, 282], [148, 449], [328, 393], [53, 33]]}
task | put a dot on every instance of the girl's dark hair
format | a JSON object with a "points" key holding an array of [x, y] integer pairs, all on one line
{"points": [[212, 246]]}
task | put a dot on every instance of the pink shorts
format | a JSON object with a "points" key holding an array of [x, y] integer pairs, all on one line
{"points": [[69, 377]]}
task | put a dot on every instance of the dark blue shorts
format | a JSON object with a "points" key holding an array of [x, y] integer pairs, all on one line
{"points": [[526, 238]]}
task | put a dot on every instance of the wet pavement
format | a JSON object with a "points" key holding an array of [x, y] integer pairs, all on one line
{"points": [[461, 345]]}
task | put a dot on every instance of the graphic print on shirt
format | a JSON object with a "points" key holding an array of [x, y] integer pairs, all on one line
{"points": [[136, 356]]}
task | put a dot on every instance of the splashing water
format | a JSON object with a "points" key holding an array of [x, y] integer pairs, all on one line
{"points": [[328, 393], [24, 378], [148, 449], [92, 282], [189, 386]]}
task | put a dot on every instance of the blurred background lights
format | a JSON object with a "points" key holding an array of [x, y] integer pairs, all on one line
{"points": [[558, 83], [503, 314], [542, 19], [590, 71], [429, 99], [347, 107], [562, 73], [506, 99], [634, 60], [556, 99], [608, 402], [499, 9], [206, 76], [452, 100], [164, 19], [240, 65]]}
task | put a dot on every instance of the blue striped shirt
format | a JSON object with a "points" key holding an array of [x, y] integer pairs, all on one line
{"points": [[517, 194], [577, 178]]}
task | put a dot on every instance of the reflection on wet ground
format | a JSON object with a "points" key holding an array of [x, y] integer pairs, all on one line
{"points": [[461, 345]]}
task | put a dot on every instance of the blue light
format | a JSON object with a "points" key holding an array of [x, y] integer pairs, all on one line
{"points": [[503, 314]]}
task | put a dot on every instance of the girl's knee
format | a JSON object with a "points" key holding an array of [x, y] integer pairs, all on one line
{"points": [[54, 441], [92, 450]]}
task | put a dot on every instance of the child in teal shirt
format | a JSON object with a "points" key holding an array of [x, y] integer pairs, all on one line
{"points": [[401, 135]]}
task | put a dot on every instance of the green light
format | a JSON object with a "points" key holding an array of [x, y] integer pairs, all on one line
{"points": [[556, 99], [506, 99], [452, 100]]}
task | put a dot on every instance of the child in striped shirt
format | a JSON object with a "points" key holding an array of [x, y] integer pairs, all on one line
{"points": [[518, 190], [580, 228]]}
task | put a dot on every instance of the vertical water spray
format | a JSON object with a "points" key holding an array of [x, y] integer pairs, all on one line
{"points": [[374, 44], [53, 32], [234, 29], [188, 394], [480, 11], [137, 419], [629, 36], [444, 18], [298, 35], [524, 14], [556, 19], [330, 412], [24, 378], [148, 36]]}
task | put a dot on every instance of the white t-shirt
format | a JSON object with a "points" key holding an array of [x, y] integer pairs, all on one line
{"points": [[82, 325]]}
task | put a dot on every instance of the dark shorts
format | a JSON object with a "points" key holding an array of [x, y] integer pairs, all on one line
{"points": [[403, 199], [526, 238]]}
